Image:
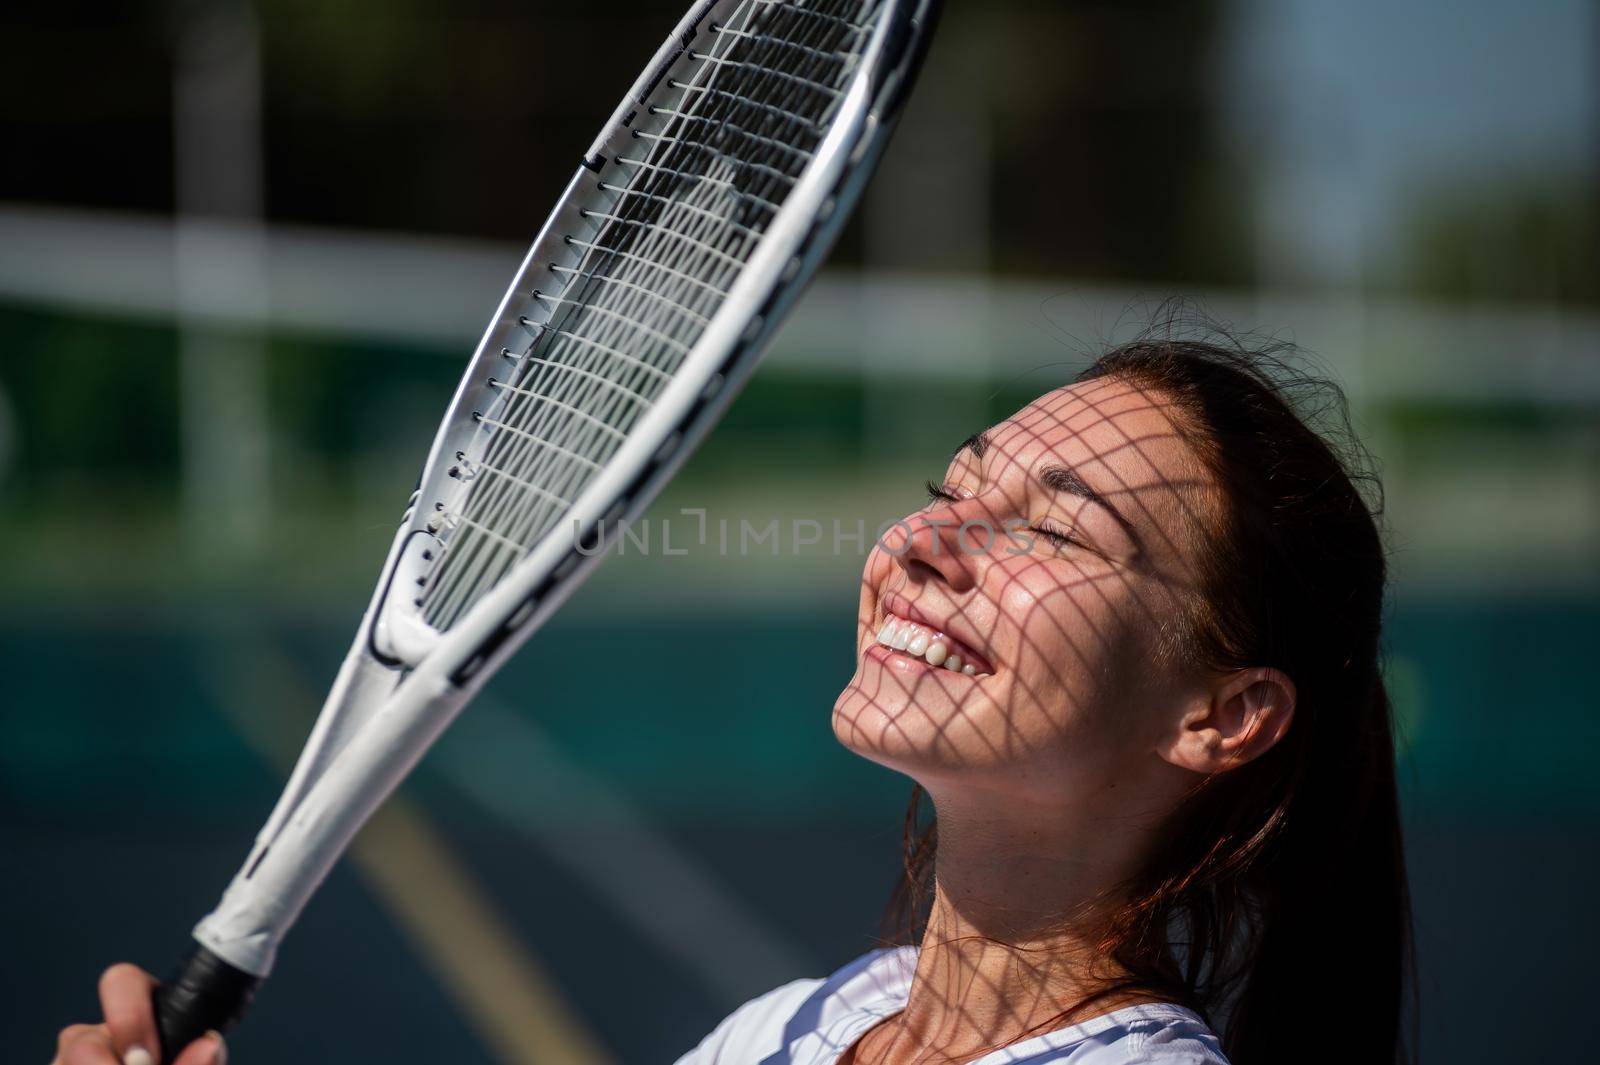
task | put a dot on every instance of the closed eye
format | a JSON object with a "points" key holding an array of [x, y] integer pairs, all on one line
{"points": [[1056, 536]]}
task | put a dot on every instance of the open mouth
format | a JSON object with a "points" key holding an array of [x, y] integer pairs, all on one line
{"points": [[903, 636]]}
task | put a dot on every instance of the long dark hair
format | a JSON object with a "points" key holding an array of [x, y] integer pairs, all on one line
{"points": [[1278, 890]]}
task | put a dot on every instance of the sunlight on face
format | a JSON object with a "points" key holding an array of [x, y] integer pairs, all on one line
{"points": [[1094, 501]]}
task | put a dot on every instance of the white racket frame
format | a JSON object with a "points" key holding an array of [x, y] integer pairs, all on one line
{"points": [[402, 683]]}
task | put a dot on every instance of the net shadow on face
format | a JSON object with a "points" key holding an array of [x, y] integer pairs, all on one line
{"points": [[1072, 600]]}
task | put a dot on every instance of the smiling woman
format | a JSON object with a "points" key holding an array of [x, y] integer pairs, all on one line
{"points": [[1130, 650]]}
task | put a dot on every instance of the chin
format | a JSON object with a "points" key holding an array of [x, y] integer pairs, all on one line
{"points": [[921, 732]]}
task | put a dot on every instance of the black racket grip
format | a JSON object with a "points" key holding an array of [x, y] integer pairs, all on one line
{"points": [[205, 994]]}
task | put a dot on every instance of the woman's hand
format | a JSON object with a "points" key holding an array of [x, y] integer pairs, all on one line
{"points": [[128, 1036]]}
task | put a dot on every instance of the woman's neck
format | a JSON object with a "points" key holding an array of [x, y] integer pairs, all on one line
{"points": [[1011, 947]]}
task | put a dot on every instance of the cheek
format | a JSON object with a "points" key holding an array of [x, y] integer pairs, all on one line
{"points": [[1067, 619], [1080, 648]]}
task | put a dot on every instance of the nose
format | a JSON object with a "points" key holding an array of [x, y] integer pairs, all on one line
{"points": [[941, 543]]}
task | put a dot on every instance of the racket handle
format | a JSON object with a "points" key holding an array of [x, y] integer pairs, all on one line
{"points": [[205, 994]]}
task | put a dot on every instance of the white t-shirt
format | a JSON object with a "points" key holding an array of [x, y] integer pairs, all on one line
{"points": [[811, 1022]]}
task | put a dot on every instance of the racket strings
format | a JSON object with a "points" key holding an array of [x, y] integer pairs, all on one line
{"points": [[598, 279], [689, 210], [755, 138], [683, 349], [683, 175]]}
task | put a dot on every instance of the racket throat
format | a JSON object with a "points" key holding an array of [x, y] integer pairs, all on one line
{"points": [[403, 636], [400, 634]]}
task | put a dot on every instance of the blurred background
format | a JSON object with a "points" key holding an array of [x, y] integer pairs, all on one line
{"points": [[246, 247]]}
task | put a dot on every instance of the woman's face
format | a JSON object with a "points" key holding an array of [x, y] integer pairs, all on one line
{"points": [[1052, 559]]}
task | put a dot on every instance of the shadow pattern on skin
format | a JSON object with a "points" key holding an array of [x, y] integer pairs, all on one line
{"points": [[1063, 553]]}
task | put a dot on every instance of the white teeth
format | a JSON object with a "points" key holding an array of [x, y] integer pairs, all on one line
{"points": [[914, 639]]}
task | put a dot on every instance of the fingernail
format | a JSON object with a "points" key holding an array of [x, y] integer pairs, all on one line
{"points": [[138, 1056], [221, 1056]]}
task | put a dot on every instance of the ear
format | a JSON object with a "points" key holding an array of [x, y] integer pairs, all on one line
{"points": [[1240, 719]]}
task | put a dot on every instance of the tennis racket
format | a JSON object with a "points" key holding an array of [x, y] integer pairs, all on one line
{"points": [[689, 230]]}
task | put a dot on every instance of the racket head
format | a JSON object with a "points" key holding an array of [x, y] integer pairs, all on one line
{"points": [[692, 225]]}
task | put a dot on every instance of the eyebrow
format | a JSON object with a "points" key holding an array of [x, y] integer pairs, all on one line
{"points": [[1066, 480], [1057, 479], [977, 443]]}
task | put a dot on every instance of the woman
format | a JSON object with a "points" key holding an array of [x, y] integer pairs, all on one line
{"points": [[1130, 651]]}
